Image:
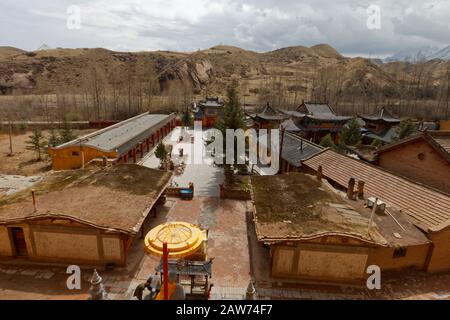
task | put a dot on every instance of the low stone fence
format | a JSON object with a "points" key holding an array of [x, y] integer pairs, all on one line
{"points": [[234, 194]]}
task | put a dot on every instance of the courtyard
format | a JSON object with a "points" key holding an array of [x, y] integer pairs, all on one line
{"points": [[238, 257]]}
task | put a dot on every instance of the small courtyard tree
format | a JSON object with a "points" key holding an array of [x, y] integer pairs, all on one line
{"points": [[376, 143], [37, 143], [327, 142], [351, 133], [161, 152], [404, 129], [232, 117], [186, 118], [54, 139], [66, 134]]}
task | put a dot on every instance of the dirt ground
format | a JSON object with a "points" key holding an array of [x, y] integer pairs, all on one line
{"points": [[23, 162]]}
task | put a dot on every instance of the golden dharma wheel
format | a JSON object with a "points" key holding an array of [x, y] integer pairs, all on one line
{"points": [[183, 240]]}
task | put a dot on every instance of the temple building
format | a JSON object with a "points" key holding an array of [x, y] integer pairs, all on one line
{"points": [[423, 157], [316, 120], [379, 125], [319, 236], [123, 142], [89, 217], [268, 118], [428, 209], [208, 111]]}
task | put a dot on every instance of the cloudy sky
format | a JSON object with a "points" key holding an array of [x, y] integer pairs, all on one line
{"points": [[259, 25]]}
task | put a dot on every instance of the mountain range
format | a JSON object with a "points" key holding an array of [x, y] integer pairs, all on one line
{"points": [[283, 77], [424, 54]]}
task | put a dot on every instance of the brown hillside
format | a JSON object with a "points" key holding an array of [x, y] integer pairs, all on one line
{"points": [[283, 77]]}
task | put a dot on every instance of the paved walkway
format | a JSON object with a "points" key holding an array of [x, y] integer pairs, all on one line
{"points": [[206, 176]]}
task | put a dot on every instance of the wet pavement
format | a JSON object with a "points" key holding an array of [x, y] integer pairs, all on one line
{"points": [[205, 176]]}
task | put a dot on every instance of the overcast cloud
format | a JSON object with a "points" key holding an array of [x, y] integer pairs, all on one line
{"points": [[260, 25]]}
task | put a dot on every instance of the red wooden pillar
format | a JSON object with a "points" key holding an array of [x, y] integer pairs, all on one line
{"points": [[134, 155], [166, 270], [142, 150], [147, 142]]}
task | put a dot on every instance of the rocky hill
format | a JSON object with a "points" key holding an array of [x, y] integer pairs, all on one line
{"points": [[284, 76]]}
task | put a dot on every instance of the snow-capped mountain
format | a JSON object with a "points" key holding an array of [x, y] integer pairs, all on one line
{"points": [[44, 47], [424, 54], [443, 54]]}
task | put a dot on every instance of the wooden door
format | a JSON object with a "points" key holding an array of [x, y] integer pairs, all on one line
{"points": [[19, 242]]}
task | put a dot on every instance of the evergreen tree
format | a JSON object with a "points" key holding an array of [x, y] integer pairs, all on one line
{"points": [[351, 133], [54, 139], [327, 142], [405, 129], [186, 118], [232, 116], [66, 134], [161, 152], [37, 143], [377, 143]]}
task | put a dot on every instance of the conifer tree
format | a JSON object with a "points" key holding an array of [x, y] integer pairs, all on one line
{"points": [[161, 152], [327, 142], [54, 139], [232, 116], [405, 129], [66, 134], [351, 133], [37, 143]]}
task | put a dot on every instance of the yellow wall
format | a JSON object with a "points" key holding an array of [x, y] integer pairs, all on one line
{"points": [[336, 259], [433, 170], [320, 262], [5, 244], [440, 257], [63, 159], [65, 246], [64, 243], [444, 125], [416, 257]]}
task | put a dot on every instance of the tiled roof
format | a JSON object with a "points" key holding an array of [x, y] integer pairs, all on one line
{"points": [[296, 149], [290, 126], [211, 103], [381, 114], [429, 208], [122, 136], [318, 111], [385, 136], [318, 108], [442, 138], [270, 113]]}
